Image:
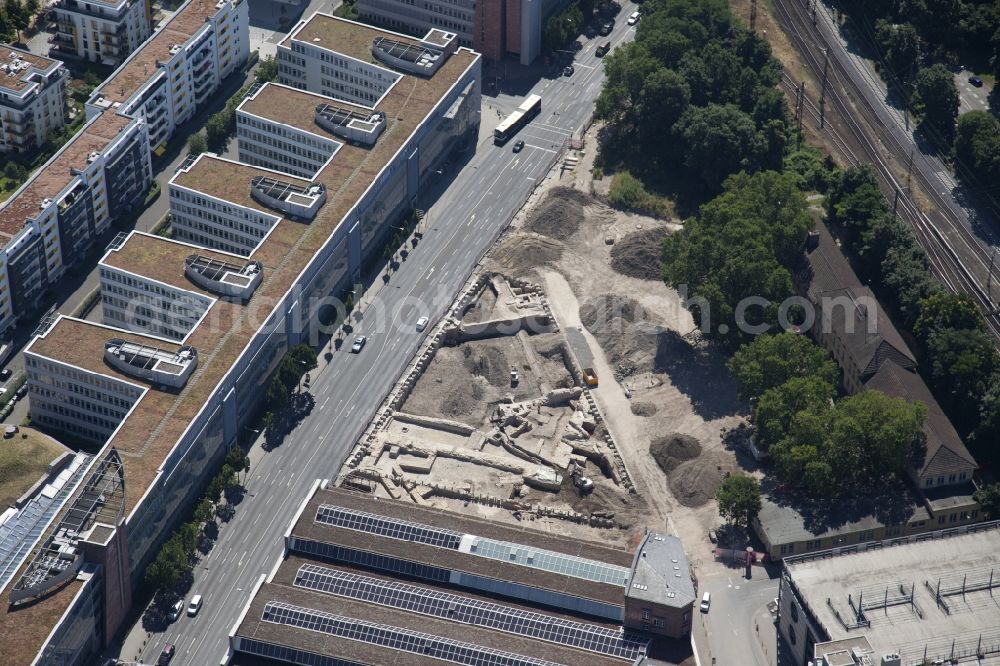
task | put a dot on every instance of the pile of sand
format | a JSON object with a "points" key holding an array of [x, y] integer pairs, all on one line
{"points": [[462, 400], [523, 252], [694, 482], [669, 451], [639, 254], [559, 214], [643, 408]]}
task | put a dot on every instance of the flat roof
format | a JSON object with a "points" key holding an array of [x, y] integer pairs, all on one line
{"points": [[16, 80], [141, 65], [282, 589], [345, 37], [49, 181], [297, 108], [609, 593], [876, 574], [162, 259]]}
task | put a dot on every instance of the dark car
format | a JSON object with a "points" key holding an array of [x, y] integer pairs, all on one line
{"points": [[519, 146], [603, 49], [976, 81], [5, 374], [568, 71], [166, 655], [607, 27]]}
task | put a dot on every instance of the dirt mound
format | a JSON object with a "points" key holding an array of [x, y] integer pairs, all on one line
{"points": [[488, 362], [559, 214], [643, 408], [523, 252], [462, 400], [694, 482], [639, 254], [671, 450], [600, 313]]}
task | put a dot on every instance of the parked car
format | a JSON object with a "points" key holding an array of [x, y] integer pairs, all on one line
{"points": [[422, 322], [359, 343], [166, 655], [603, 49], [568, 71], [706, 602], [519, 146], [195, 605], [633, 18], [21, 392], [976, 81], [5, 374], [176, 610], [607, 27]]}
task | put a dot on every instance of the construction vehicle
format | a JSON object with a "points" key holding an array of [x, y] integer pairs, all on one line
{"points": [[590, 377], [583, 483], [513, 377]]}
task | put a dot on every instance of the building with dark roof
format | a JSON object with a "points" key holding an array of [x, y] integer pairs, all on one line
{"points": [[369, 581]]}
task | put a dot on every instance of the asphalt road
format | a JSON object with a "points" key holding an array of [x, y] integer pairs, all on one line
{"points": [[461, 224], [737, 626]]}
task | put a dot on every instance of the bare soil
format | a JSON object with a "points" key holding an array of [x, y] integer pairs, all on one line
{"points": [[638, 255], [559, 213], [644, 408], [670, 451]]}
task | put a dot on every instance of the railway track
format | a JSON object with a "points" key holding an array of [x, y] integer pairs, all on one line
{"points": [[950, 244]]}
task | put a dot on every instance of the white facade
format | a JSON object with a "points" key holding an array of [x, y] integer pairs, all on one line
{"points": [[104, 32], [137, 303], [458, 16], [184, 82], [215, 223], [85, 404], [319, 70], [32, 99], [281, 147]]}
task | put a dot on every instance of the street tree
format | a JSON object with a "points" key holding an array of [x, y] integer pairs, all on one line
{"points": [[988, 497], [962, 363], [739, 500], [779, 405], [937, 101], [197, 144]]}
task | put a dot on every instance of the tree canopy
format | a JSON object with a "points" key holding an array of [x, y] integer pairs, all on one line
{"points": [[742, 244], [739, 499], [937, 100], [771, 360]]}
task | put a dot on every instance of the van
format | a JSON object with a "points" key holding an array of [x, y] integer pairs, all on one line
{"points": [[195, 605], [706, 602]]}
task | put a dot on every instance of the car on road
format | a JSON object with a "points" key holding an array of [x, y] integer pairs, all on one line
{"points": [[633, 18], [5, 374], [195, 605], [166, 655], [519, 146], [603, 49], [976, 81], [359, 344], [706, 602], [607, 27], [568, 71], [176, 610], [422, 322]]}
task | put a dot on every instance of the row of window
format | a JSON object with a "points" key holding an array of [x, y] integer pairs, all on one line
{"points": [[207, 204], [319, 159], [270, 130], [78, 377], [269, 159], [191, 235], [155, 328], [91, 407], [69, 426], [107, 424]]}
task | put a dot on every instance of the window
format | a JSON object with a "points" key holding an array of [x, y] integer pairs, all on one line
{"points": [[645, 615]]}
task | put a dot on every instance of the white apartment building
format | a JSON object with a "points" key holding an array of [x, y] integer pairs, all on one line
{"points": [[32, 98], [106, 169], [182, 75], [137, 303], [102, 31], [281, 147]]}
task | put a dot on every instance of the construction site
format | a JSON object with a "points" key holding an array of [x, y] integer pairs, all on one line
{"points": [[566, 386]]}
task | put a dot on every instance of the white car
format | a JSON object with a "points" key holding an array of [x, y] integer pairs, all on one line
{"points": [[633, 18], [422, 323], [359, 343], [195, 605], [706, 602], [176, 610]]}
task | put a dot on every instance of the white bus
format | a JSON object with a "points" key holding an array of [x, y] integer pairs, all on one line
{"points": [[510, 126]]}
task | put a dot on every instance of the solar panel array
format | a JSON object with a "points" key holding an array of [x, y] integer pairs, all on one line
{"points": [[397, 638], [611, 642], [548, 560], [389, 527], [404, 51]]}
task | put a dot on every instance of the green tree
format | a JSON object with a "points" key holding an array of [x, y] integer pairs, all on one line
{"points": [[901, 49], [267, 69], [163, 573], [217, 129], [945, 309], [278, 395], [18, 16], [238, 459], [779, 405], [739, 500], [215, 488], [304, 357], [937, 101], [663, 99], [988, 497], [717, 141], [771, 360], [197, 143], [962, 363], [977, 145], [626, 70], [203, 512]]}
